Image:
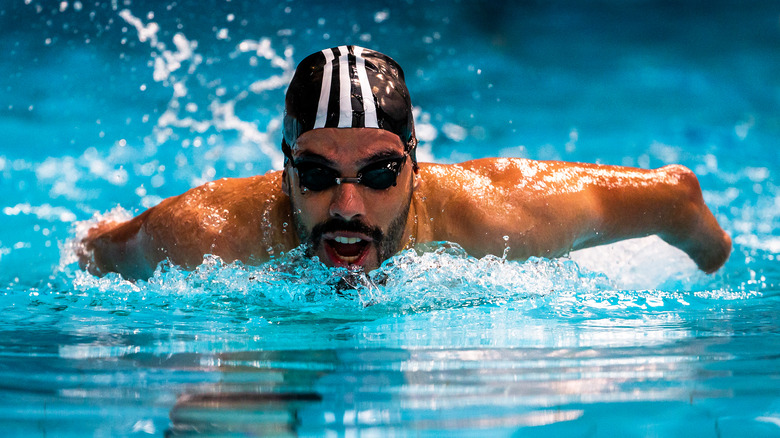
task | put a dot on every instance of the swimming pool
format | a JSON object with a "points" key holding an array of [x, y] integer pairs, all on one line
{"points": [[112, 106]]}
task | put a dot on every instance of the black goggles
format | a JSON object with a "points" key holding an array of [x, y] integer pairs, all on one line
{"points": [[379, 175]]}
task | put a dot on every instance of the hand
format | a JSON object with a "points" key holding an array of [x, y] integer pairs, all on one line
{"points": [[85, 248], [693, 228]]}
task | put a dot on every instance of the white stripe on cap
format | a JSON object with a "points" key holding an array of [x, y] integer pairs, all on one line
{"points": [[322, 106], [345, 90], [369, 105]]}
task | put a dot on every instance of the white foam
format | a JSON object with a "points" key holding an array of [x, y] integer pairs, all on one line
{"points": [[643, 263]]}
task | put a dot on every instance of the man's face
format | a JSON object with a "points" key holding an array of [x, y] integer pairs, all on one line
{"points": [[350, 224]]}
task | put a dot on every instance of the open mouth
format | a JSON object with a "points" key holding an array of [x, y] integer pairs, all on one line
{"points": [[345, 251]]}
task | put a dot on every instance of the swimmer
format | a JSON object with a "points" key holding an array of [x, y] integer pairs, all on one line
{"points": [[353, 193]]}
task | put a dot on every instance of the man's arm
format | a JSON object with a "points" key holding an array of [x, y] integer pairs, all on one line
{"points": [[236, 219], [551, 208]]}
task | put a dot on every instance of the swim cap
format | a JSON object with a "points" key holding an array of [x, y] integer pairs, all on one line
{"points": [[348, 87]]}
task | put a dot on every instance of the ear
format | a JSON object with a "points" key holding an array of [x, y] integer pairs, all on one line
{"points": [[285, 182]]}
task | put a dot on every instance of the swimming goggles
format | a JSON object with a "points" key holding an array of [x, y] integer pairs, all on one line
{"points": [[379, 175]]}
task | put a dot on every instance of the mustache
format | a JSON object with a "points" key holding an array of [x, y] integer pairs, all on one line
{"points": [[356, 226]]}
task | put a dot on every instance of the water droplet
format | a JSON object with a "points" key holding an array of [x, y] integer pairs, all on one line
{"points": [[506, 238]]}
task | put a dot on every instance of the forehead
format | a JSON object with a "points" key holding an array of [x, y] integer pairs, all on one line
{"points": [[348, 145]]}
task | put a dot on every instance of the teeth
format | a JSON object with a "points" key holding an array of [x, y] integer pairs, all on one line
{"points": [[349, 240]]}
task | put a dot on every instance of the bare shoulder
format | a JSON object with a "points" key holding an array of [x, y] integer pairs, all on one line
{"points": [[221, 204], [497, 172], [471, 202], [236, 218], [480, 180]]}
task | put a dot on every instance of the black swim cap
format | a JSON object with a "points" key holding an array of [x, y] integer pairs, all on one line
{"points": [[348, 87]]}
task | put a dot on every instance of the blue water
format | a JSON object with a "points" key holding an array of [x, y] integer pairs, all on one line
{"points": [[110, 106]]}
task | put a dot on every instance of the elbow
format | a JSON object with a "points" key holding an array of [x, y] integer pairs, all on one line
{"points": [[682, 178]]}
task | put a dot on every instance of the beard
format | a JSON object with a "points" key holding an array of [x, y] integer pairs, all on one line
{"points": [[386, 244]]}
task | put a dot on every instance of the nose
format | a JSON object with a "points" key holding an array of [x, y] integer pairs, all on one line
{"points": [[347, 202]]}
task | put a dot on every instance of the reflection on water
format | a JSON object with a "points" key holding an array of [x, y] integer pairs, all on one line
{"points": [[451, 390], [208, 363]]}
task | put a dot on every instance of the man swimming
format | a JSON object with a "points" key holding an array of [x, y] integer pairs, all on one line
{"points": [[353, 193]]}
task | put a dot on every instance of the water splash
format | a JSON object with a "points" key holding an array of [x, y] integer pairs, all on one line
{"points": [[412, 281], [210, 123], [183, 110], [434, 277]]}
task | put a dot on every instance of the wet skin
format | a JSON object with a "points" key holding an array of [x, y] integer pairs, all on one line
{"points": [[351, 224], [534, 208]]}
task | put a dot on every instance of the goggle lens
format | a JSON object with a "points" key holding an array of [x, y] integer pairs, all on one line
{"points": [[378, 176], [317, 178]]}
